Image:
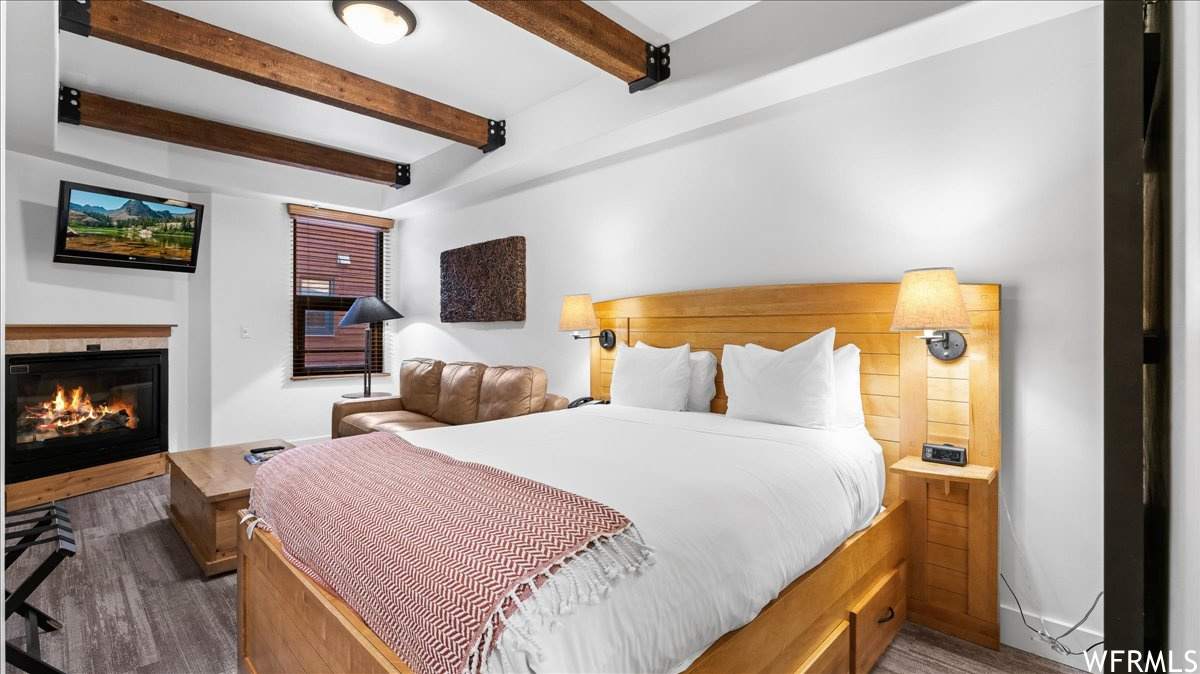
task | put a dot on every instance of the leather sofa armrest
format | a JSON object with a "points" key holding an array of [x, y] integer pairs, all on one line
{"points": [[554, 402], [344, 408]]}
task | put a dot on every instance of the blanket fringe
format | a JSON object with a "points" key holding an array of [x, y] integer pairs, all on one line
{"points": [[583, 576]]}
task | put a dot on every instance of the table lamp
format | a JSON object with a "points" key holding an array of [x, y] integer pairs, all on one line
{"points": [[578, 314], [931, 301], [365, 311]]}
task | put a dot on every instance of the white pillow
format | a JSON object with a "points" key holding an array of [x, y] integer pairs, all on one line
{"points": [[793, 387], [654, 378], [847, 388], [847, 385], [703, 386]]}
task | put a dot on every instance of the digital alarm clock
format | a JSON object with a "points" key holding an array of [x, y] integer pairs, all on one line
{"points": [[948, 454]]}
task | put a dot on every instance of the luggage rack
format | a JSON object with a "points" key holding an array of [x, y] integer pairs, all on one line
{"points": [[29, 531]]}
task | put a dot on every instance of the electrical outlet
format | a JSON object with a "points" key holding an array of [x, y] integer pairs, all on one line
{"points": [[245, 332]]}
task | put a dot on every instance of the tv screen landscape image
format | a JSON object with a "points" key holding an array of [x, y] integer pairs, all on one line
{"points": [[97, 225]]}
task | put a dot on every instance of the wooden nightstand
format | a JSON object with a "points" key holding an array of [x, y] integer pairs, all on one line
{"points": [[208, 487], [952, 547]]}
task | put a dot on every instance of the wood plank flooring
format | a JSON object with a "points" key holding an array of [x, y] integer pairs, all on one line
{"points": [[133, 600]]}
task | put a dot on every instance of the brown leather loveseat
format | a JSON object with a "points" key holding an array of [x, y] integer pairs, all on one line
{"points": [[433, 393]]}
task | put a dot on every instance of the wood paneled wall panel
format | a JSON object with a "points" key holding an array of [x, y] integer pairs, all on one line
{"points": [[783, 300], [955, 390], [955, 369], [881, 406], [875, 343], [949, 412], [947, 534], [983, 352]]}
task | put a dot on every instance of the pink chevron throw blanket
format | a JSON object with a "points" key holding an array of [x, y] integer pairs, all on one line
{"points": [[435, 554]]}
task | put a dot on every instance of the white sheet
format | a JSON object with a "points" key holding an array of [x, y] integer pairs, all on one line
{"points": [[735, 510]]}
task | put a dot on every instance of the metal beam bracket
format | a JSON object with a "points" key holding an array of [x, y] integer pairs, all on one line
{"points": [[75, 16], [403, 175], [658, 67], [495, 135], [68, 105]]}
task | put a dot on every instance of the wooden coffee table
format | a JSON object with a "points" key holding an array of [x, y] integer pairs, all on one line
{"points": [[208, 487]]}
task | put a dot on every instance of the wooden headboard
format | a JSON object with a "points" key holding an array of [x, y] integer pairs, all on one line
{"points": [[909, 397]]}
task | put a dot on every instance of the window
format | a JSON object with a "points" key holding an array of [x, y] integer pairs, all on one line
{"points": [[337, 258], [309, 286]]}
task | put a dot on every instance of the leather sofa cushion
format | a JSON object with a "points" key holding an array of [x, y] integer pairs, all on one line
{"points": [[458, 400], [508, 391], [396, 421], [420, 379]]}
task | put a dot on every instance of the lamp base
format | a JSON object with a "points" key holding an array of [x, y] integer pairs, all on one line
{"points": [[372, 394], [947, 345]]}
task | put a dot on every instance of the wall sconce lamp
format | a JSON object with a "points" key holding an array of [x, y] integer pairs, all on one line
{"points": [[578, 315], [931, 301]]}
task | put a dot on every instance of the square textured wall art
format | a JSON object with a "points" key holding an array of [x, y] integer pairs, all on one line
{"points": [[484, 282]]}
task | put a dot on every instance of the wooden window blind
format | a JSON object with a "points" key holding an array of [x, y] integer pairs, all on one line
{"points": [[336, 258]]}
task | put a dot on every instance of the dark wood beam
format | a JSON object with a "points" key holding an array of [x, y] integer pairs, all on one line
{"points": [[102, 112], [1124, 448], [577, 28], [159, 31]]}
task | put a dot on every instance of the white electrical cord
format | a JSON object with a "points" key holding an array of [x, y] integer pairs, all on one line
{"points": [[1056, 643]]}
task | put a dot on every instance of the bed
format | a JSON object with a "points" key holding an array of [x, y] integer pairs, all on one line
{"points": [[829, 583]]}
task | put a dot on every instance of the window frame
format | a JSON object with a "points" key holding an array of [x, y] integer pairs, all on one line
{"points": [[302, 303]]}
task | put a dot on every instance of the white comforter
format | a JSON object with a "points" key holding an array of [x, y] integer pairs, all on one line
{"points": [[735, 510]]}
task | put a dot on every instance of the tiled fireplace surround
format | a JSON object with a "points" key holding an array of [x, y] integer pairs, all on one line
{"points": [[23, 339]]}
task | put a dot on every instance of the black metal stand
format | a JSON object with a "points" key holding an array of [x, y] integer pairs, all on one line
{"points": [[48, 519], [367, 392]]}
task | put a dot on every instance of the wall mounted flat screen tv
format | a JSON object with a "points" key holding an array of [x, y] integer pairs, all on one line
{"points": [[97, 225]]}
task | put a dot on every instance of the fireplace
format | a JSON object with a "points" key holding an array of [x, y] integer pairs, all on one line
{"points": [[68, 411]]}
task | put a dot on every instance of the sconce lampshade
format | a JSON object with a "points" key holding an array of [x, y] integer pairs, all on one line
{"points": [[578, 314], [930, 299]]}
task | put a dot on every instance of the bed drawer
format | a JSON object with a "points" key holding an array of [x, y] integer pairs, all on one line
{"points": [[876, 617], [832, 656]]}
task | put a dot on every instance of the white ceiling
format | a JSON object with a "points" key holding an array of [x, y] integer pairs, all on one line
{"points": [[659, 21], [459, 54]]}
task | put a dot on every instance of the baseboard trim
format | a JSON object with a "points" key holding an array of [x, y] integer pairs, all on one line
{"points": [[309, 441], [83, 481], [1014, 633]]}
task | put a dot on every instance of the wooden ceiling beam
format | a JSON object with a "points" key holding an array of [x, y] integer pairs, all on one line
{"points": [[575, 27], [159, 31], [87, 109]]}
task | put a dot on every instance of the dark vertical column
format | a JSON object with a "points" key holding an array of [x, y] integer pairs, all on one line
{"points": [[1124, 520], [1156, 179]]}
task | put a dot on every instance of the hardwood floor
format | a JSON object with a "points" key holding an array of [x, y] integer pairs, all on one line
{"points": [[133, 600]]}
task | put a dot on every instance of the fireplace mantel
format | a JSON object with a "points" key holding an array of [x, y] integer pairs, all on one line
{"points": [[21, 338], [19, 331]]}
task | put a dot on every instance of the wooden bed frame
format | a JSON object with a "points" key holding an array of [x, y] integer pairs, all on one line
{"points": [[837, 617]]}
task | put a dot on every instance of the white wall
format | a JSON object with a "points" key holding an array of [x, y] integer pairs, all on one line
{"points": [[987, 159], [249, 280], [37, 290], [1184, 621]]}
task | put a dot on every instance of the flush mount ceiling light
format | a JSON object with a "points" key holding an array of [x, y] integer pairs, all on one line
{"points": [[379, 21]]}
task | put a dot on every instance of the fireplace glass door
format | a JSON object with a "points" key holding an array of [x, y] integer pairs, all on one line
{"points": [[73, 410]]}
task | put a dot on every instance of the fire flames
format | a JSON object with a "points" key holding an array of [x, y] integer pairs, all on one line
{"points": [[70, 414]]}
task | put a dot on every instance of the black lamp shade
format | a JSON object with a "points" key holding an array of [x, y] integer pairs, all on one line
{"points": [[368, 309]]}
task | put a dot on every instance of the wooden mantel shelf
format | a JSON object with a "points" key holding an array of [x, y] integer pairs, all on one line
{"points": [[913, 466], [86, 330]]}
